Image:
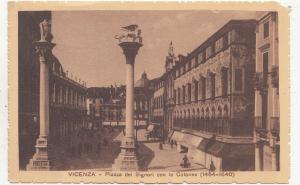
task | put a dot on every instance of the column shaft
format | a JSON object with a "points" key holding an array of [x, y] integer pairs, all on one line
{"points": [[129, 99], [44, 98]]}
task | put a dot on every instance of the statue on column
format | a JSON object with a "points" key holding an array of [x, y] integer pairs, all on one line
{"points": [[45, 30], [130, 32]]}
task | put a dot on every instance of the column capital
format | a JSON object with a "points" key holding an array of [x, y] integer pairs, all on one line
{"points": [[130, 50], [43, 48]]}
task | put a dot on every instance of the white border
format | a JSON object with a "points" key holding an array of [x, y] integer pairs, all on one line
{"points": [[295, 88]]}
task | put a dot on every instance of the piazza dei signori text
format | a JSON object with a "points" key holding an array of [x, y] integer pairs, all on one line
{"points": [[212, 108]]}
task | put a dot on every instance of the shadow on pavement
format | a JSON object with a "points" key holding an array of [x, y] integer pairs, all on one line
{"points": [[145, 156]]}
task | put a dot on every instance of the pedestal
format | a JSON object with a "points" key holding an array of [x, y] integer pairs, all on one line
{"points": [[127, 159], [41, 160]]}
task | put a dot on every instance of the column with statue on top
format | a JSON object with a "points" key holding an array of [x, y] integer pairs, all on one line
{"points": [[130, 41], [41, 160]]}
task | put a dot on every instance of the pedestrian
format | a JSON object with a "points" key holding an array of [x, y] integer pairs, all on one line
{"points": [[185, 163], [171, 143], [160, 145], [212, 166]]}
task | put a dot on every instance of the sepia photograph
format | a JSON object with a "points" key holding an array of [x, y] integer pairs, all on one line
{"points": [[194, 92]]}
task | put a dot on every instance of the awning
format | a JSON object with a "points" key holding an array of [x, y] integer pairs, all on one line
{"points": [[150, 128], [230, 150], [177, 136], [205, 144], [170, 133]]}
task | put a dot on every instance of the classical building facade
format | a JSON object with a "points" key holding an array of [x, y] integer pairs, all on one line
{"points": [[106, 105], [266, 134], [67, 96], [213, 95]]}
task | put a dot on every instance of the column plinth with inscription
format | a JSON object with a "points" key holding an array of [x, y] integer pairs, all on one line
{"points": [[41, 160], [130, 42]]}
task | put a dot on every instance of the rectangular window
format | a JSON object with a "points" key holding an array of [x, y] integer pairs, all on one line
{"points": [[225, 40], [213, 85], [189, 93], [179, 96], [219, 44], [196, 91], [200, 58], [196, 61], [238, 79], [224, 82], [183, 94], [208, 52], [266, 29], [265, 67], [203, 83]]}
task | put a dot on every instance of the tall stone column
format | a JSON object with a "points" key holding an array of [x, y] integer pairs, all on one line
{"points": [[41, 160], [127, 159]]}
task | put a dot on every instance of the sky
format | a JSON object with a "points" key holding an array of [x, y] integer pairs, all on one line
{"points": [[86, 47]]}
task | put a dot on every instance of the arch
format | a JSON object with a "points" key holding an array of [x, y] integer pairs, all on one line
{"points": [[207, 112], [225, 112], [193, 114], [198, 113], [202, 113], [213, 112], [219, 112]]}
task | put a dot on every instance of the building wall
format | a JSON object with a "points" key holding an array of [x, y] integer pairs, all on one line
{"points": [[67, 96], [212, 90], [267, 93]]}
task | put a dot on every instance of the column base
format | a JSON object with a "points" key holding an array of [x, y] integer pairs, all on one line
{"points": [[127, 159], [41, 160]]}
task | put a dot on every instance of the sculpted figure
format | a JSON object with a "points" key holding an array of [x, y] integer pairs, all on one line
{"points": [[45, 30]]}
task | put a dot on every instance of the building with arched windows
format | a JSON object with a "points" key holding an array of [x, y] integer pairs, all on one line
{"points": [[67, 96], [208, 98]]}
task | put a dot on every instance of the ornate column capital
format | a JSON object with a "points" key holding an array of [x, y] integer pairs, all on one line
{"points": [[130, 50], [43, 48]]}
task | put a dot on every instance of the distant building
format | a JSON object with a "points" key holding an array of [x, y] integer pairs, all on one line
{"points": [[267, 136], [67, 96], [106, 105], [206, 99]]}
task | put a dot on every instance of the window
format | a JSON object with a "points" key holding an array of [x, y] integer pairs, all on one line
{"points": [[225, 40], [195, 61], [208, 52], [189, 93], [174, 95], [212, 85], [203, 83], [266, 29], [200, 58], [183, 94], [179, 96], [224, 82], [219, 44], [196, 90], [238, 79], [265, 67]]}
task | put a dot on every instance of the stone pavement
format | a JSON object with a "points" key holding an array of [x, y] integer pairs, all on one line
{"points": [[151, 157]]}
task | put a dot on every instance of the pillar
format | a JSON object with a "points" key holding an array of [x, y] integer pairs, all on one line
{"points": [[41, 160], [127, 159]]}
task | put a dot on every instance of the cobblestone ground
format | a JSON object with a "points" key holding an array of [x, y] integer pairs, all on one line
{"points": [[151, 157]]}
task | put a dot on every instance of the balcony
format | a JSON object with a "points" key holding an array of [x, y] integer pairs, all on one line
{"points": [[261, 82]]}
